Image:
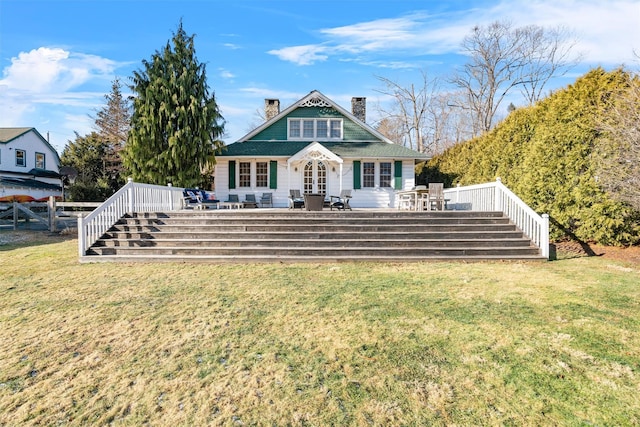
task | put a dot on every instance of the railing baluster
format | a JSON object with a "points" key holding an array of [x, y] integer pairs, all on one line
{"points": [[495, 196]]}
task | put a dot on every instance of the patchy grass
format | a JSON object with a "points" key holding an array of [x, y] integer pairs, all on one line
{"points": [[553, 343]]}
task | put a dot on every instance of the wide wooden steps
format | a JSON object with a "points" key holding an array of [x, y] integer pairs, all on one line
{"points": [[278, 235]]}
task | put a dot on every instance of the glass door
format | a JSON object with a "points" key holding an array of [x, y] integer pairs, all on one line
{"points": [[315, 177]]}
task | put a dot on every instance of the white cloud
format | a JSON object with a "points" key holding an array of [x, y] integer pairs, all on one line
{"points": [[301, 55], [231, 46], [607, 32], [53, 70], [226, 74], [54, 90]]}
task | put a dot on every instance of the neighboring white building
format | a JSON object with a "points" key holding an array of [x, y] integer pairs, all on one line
{"points": [[316, 146], [29, 166]]}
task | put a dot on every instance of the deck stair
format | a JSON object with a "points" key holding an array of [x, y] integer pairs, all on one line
{"points": [[277, 235], [272, 235]]}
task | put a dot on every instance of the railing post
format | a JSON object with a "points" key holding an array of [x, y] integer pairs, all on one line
{"points": [[170, 197], [544, 236], [130, 194], [82, 236], [497, 196], [457, 196]]}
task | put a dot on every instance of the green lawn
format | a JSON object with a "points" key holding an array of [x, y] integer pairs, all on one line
{"points": [[554, 343]]}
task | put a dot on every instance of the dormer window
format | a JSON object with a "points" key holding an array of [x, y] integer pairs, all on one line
{"points": [[315, 129]]}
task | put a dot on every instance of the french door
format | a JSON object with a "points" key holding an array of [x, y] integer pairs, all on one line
{"points": [[315, 177]]}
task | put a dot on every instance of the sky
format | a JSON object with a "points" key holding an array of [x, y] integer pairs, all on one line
{"points": [[59, 58]]}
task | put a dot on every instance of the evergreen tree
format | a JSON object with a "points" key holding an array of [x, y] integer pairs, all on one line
{"points": [[176, 123], [112, 123], [551, 155], [87, 154]]}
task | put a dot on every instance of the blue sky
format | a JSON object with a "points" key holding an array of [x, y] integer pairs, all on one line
{"points": [[59, 58]]}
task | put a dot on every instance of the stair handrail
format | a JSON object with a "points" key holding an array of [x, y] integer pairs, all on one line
{"points": [[497, 197], [133, 197]]}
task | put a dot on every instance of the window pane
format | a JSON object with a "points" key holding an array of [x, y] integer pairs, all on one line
{"points": [[368, 174], [21, 158], [40, 161], [385, 174], [294, 129], [307, 130], [336, 129], [245, 174], [261, 174], [322, 130]]}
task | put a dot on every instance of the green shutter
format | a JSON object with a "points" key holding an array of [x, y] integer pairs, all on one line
{"points": [[232, 174], [397, 175], [273, 174], [356, 174]]}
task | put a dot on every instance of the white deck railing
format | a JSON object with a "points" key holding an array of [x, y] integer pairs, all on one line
{"points": [[133, 197], [495, 196]]}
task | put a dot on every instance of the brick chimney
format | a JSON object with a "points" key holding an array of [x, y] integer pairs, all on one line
{"points": [[359, 108], [271, 108]]}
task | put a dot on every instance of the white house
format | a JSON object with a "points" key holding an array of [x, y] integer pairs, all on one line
{"points": [[316, 146], [29, 166]]}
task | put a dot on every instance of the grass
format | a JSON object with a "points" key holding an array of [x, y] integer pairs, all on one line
{"points": [[553, 343]]}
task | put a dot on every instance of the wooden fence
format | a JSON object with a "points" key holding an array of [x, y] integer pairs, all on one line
{"points": [[52, 214]]}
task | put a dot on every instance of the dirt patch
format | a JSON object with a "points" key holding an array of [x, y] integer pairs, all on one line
{"points": [[575, 249], [25, 237]]}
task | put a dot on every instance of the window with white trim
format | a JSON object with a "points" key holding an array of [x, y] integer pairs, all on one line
{"points": [[368, 174], [262, 174], [385, 174], [21, 158], [40, 161], [244, 169], [315, 129]]}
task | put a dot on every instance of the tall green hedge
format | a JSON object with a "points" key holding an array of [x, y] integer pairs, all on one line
{"points": [[547, 154]]}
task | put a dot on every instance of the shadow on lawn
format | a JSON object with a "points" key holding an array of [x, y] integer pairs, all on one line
{"points": [[573, 243]]}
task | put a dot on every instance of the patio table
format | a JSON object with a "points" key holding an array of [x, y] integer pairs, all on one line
{"points": [[313, 202]]}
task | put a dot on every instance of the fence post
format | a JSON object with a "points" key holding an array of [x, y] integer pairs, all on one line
{"points": [[15, 215], [170, 197], [51, 207]]}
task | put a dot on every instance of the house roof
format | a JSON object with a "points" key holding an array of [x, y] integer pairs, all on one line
{"points": [[9, 134], [27, 183], [315, 97], [369, 143], [343, 149]]}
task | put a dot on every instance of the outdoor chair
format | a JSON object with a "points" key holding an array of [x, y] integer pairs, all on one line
{"points": [[250, 201], [199, 199], [341, 201], [233, 201], [406, 200], [266, 200], [436, 196], [297, 201]]}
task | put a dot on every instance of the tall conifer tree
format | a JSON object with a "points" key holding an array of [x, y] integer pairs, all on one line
{"points": [[176, 123], [112, 122]]}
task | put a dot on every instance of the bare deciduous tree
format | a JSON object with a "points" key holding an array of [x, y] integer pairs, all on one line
{"points": [[502, 58], [424, 118], [620, 163], [410, 108]]}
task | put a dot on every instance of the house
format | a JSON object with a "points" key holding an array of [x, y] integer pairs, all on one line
{"points": [[316, 146], [29, 166]]}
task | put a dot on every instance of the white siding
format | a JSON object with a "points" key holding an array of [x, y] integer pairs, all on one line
{"points": [[375, 197], [31, 144]]}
